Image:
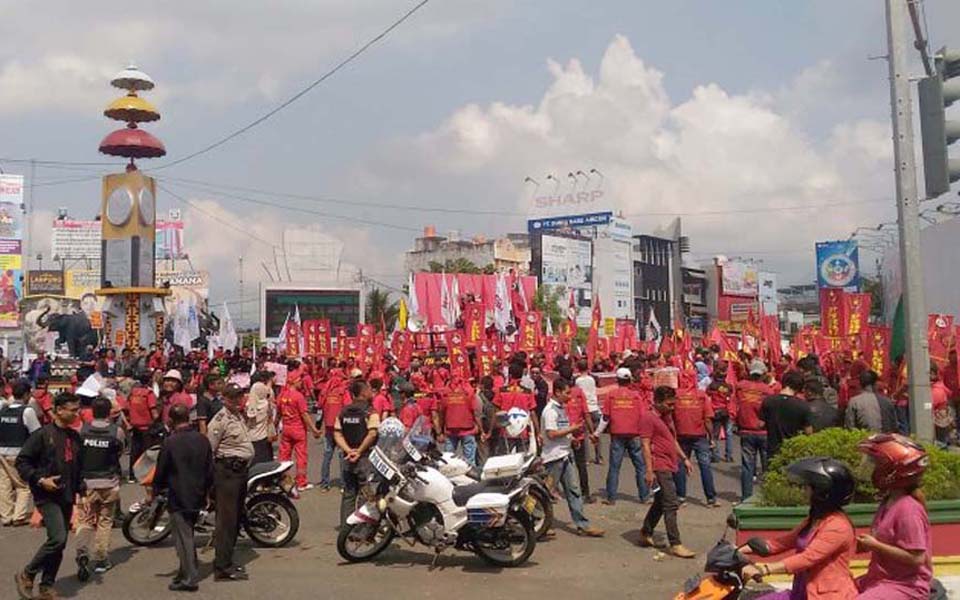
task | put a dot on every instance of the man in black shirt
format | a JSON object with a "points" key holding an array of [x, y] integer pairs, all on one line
{"points": [[185, 471], [209, 402], [822, 414], [50, 464], [786, 415]]}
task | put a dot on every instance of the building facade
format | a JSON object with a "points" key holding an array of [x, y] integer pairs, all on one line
{"points": [[652, 282], [509, 252]]}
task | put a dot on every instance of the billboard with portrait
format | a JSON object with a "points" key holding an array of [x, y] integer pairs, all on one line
{"points": [[739, 278], [567, 262], [838, 265]]}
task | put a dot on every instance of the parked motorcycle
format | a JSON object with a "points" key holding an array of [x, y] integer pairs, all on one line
{"points": [[411, 498], [509, 467], [269, 517]]}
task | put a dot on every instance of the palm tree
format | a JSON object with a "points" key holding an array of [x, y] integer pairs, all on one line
{"points": [[378, 304]]}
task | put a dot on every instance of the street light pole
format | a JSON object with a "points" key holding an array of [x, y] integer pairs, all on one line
{"points": [[908, 205]]}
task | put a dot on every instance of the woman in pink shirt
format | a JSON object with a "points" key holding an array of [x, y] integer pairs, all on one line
{"points": [[899, 541]]}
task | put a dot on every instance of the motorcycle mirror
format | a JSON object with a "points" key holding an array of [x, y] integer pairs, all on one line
{"points": [[732, 521], [759, 546]]}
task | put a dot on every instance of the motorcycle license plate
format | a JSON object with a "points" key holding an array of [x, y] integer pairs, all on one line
{"points": [[382, 467], [411, 450], [530, 504]]}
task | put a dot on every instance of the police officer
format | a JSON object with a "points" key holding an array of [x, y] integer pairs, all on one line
{"points": [[355, 432], [101, 444], [232, 451], [17, 421]]}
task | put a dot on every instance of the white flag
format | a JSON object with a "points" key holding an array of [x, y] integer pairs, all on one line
{"points": [[549, 326], [181, 326], [282, 341], [446, 303], [228, 333], [253, 361], [520, 290], [299, 324], [455, 298], [413, 305], [501, 305], [653, 327]]}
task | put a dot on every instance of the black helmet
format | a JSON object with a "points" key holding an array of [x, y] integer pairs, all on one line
{"points": [[831, 480]]}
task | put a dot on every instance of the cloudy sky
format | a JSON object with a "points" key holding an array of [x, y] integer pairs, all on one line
{"points": [[716, 111]]}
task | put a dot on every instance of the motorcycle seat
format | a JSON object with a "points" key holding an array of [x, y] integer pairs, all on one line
{"points": [[261, 468], [463, 493]]}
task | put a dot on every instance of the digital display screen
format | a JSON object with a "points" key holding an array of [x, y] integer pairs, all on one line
{"points": [[342, 307]]}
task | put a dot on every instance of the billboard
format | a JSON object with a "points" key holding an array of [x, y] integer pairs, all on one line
{"points": [[169, 240], [768, 293], [838, 265], [568, 262], [343, 306], [569, 222], [739, 278], [11, 234], [45, 282]]}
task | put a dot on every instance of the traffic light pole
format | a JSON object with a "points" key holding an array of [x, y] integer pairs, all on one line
{"points": [[908, 208]]}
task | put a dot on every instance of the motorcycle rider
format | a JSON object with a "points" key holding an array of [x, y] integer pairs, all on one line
{"points": [[17, 421], [101, 446], [233, 451], [557, 455], [355, 432], [824, 541], [185, 470], [899, 541]]}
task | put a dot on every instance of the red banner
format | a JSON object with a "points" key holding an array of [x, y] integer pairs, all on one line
{"points": [[487, 353], [550, 346], [293, 339], [940, 336], [322, 338], [457, 351], [857, 308], [877, 349], [531, 323], [833, 322], [473, 323]]}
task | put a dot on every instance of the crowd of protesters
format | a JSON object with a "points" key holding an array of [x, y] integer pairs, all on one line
{"points": [[672, 415]]}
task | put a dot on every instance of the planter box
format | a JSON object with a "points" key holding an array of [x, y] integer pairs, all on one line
{"points": [[770, 521]]}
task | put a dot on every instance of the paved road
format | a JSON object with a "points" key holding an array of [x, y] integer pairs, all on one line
{"points": [[565, 567]]}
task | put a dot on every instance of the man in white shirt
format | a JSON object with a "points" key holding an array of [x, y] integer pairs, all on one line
{"points": [[557, 455], [17, 421], [588, 385]]}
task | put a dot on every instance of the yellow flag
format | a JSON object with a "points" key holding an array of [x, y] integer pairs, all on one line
{"points": [[402, 316]]}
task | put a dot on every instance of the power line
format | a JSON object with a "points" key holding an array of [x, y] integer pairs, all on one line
{"points": [[343, 63]]}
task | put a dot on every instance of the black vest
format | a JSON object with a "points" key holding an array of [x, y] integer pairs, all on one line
{"points": [[100, 450], [13, 432], [353, 423]]}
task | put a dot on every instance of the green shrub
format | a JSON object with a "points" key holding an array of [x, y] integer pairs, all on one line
{"points": [[940, 482]]}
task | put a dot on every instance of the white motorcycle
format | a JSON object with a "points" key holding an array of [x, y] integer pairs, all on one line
{"points": [[413, 499], [515, 465]]}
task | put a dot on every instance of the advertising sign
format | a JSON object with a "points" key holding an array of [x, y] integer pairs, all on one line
{"points": [[343, 307], [45, 282], [838, 265], [11, 234], [768, 293], [169, 240], [79, 239], [739, 278], [567, 262], [569, 221]]}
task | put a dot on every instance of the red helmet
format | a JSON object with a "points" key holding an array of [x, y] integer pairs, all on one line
{"points": [[899, 462]]}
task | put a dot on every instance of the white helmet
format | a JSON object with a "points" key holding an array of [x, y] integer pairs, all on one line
{"points": [[391, 427], [517, 421]]}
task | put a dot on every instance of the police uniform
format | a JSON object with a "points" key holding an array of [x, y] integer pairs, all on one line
{"points": [[232, 451], [101, 445], [17, 421], [354, 422]]}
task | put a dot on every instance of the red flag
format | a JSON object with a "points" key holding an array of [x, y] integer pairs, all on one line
{"points": [[877, 349], [457, 351], [594, 332], [770, 334], [833, 321], [486, 355], [293, 339], [531, 322], [568, 326], [857, 309], [940, 338], [549, 350], [473, 323]]}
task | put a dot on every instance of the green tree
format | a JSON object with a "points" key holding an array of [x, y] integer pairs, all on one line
{"points": [[379, 303], [875, 289], [458, 265], [547, 301]]}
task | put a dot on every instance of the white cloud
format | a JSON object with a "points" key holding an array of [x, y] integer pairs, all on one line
{"points": [[711, 151]]}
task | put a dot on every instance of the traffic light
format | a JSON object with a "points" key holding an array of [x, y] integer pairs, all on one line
{"points": [[937, 92]]}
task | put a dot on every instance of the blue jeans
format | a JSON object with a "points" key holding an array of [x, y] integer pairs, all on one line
{"points": [[329, 447], [903, 419], [469, 444], [727, 428], [751, 445], [564, 472], [699, 446], [618, 446]]}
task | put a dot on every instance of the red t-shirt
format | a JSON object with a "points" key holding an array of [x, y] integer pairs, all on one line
{"points": [[576, 408], [692, 410], [427, 404], [177, 398], [139, 405], [623, 407], [458, 405], [334, 398], [514, 396], [44, 400], [382, 404], [291, 405], [409, 413], [749, 397], [663, 447], [720, 397], [940, 395]]}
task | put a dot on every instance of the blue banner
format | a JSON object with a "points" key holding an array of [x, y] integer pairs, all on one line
{"points": [[838, 265], [569, 222]]}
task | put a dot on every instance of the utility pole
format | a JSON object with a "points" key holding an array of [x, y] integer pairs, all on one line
{"points": [[908, 204]]}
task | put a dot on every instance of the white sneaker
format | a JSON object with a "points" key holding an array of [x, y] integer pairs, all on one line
{"points": [[309, 486]]}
